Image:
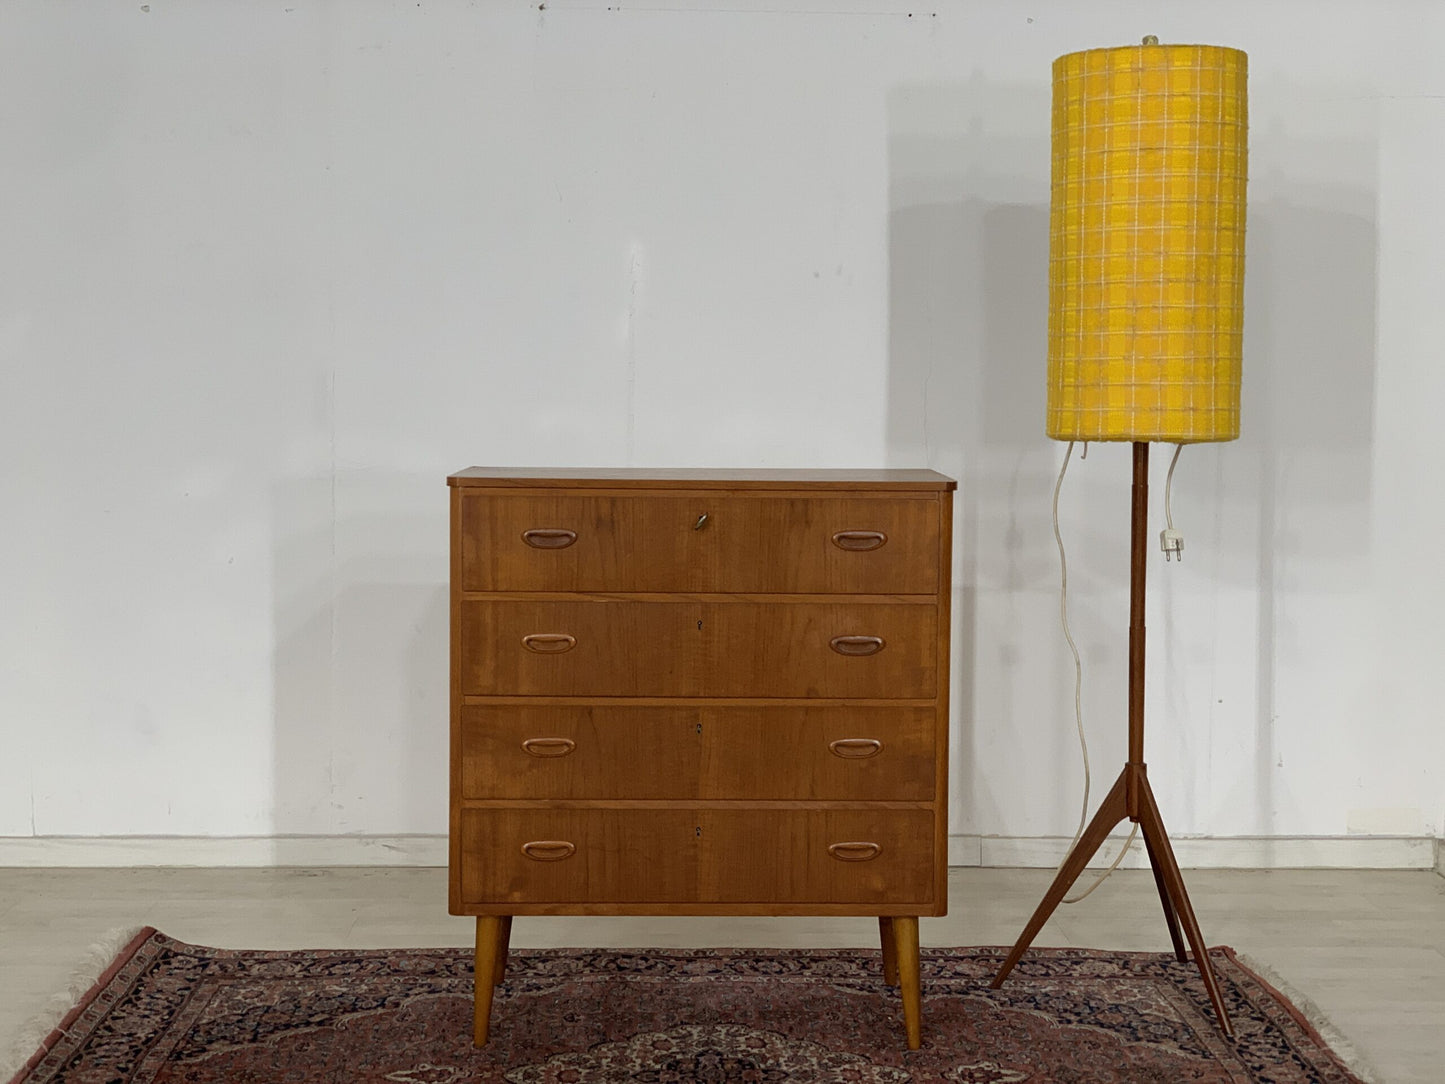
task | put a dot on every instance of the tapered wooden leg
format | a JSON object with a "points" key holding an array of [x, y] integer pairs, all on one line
{"points": [[1169, 916], [1152, 825], [504, 940], [905, 948], [489, 941], [1112, 810], [890, 951]]}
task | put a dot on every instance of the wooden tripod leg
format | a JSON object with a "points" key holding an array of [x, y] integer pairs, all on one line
{"points": [[504, 940], [905, 945], [489, 928], [1166, 867], [1112, 810], [890, 951], [1169, 916]]}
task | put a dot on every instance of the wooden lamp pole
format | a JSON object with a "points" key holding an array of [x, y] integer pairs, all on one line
{"points": [[1131, 796]]}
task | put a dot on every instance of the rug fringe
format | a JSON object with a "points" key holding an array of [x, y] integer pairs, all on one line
{"points": [[1342, 1047], [84, 974]]}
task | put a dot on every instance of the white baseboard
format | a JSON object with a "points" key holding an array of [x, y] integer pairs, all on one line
{"points": [[254, 851], [1218, 852], [1235, 852]]}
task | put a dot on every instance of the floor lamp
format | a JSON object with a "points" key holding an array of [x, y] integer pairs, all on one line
{"points": [[1146, 293]]}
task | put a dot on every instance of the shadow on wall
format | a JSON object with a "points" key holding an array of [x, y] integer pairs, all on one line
{"points": [[968, 250], [1307, 445], [361, 686]]}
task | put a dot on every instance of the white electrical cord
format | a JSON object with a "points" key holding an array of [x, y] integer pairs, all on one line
{"points": [[1168, 485], [1079, 681], [1069, 636]]}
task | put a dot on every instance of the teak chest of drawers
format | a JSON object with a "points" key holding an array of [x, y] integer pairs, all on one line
{"points": [[699, 693]]}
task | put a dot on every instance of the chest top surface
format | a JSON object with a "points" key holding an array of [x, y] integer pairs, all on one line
{"points": [[699, 478]]}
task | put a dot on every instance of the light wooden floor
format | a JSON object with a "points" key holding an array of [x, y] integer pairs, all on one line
{"points": [[1368, 948]]}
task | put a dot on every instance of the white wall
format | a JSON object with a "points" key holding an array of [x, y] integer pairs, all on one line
{"points": [[270, 272]]}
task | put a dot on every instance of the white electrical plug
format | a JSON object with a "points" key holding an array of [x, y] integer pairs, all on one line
{"points": [[1171, 542]]}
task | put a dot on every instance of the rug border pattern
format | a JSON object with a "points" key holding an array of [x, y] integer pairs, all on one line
{"points": [[77, 1028]]}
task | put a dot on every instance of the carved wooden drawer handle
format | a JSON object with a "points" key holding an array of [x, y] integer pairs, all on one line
{"points": [[859, 540], [549, 747], [856, 748], [549, 643], [548, 850], [549, 538], [855, 852], [856, 645]]}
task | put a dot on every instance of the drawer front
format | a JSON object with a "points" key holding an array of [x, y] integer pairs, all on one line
{"points": [[818, 856], [655, 543], [723, 649], [602, 855], [579, 752], [578, 856]]}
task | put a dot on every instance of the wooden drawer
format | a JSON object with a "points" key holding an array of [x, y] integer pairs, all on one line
{"points": [[816, 856], [841, 752], [824, 545], [606, 856], [618, 647]]}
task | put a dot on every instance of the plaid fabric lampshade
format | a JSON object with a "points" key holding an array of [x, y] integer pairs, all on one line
{"points": [[1146, 244]]}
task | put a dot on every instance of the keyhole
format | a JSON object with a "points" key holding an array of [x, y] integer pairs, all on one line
{"points": [[699, 626], [698, 831]]}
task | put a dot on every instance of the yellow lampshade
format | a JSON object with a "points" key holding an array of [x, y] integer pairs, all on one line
{"points": [[1146, 244]]}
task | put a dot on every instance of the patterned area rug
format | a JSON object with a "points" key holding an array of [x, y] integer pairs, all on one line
{"points": [[171, 1013]]}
